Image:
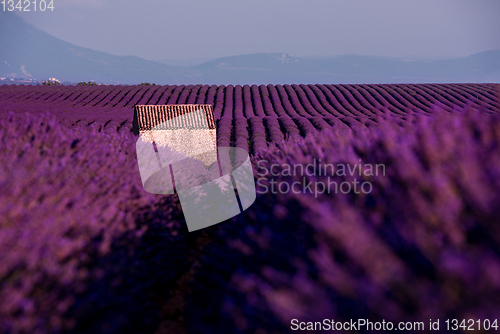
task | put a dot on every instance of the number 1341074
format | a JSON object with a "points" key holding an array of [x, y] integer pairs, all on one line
{"points": [[27, 5]]}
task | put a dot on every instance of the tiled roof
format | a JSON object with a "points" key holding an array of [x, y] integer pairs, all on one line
{"points": [[147, 117]]}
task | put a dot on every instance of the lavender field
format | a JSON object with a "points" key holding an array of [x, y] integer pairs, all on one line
{"points": [[85, 249]]}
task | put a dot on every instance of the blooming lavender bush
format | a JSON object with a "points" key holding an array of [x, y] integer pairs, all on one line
{"points": [[68, 195], [423, 244]]}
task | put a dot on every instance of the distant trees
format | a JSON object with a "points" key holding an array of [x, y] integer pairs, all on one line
{"points": [[90, 83], [51, 81]]}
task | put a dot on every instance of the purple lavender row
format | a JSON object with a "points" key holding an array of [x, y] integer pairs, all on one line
{"points": [[238, 101], [148, 95], [183, 94], [315, 103], [334, 102], [359, 101], [219, 102], [166, 95], [302, 97], [113, 93], [202, 95], [289, 128], [275, 134], [266, 101], [174, 96], [224, 131], [326, 107], [257, 134], [432, 98], [393, 100], [210, 99], [227, 111], [276, 101], [405, 96], [241, 135], [248, 109], [461, 100], [193, 94], [290, 102], [257, 101]]}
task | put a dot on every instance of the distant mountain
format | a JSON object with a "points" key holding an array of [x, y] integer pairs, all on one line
{"points": [[286, 68], [28, 52]]}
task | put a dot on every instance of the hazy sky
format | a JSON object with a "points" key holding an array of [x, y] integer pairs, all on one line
{"points": [[159, 29]]}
